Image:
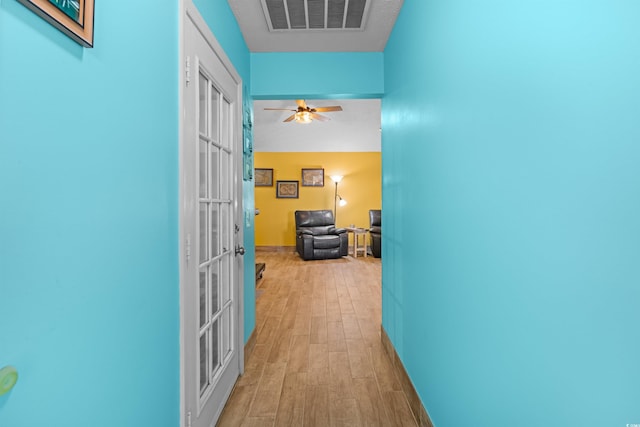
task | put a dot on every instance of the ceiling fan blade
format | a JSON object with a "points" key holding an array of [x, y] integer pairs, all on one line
{"points": [[280, 109], [288, 119], [327, 109], [315, 116], [301, 103]]}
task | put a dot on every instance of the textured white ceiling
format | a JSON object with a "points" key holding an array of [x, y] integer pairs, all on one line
{"points": [[356, 128], [381, 17]]}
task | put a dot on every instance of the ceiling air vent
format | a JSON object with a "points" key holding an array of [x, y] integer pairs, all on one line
{"points": [[284, 15]]}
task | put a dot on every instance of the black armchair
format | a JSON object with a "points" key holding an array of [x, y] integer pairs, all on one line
{"points": [[375, 231], [317, 237]]}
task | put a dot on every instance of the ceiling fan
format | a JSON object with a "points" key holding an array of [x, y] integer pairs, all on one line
{"points": [[306, 114]]}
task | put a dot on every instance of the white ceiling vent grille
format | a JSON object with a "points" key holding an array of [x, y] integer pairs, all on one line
{"points": [[283, 15]]}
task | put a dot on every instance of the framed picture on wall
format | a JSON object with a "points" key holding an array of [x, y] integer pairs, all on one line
{"points": [[313, 177], [73, 18], [263, 177], [287, 189], [247, 166]]}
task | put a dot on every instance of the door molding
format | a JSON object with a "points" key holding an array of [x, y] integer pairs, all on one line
{"points": [[187, 76]]}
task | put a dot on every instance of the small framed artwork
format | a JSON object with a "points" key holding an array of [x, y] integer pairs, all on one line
{"points": [[247, 167], [246, 146], [287, 189], [313, 177], [73, 17], [263, 177]]}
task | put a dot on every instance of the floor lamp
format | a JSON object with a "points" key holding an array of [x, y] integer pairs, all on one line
{"points": [[336, 197]]}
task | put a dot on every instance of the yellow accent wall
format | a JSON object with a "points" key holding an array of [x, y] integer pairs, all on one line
{"points": [[360, 187]]}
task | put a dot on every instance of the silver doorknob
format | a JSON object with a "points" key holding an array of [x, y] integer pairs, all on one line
{"points": [[239, 250]]}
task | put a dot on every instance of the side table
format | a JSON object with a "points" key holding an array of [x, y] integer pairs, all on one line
{"points": [[358, 245]]}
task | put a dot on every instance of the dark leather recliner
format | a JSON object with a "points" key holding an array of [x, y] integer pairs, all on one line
{"points": [[317, 237], [375, 231]]}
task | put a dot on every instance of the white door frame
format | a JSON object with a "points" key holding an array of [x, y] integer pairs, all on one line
{"points": [[187, 75]]}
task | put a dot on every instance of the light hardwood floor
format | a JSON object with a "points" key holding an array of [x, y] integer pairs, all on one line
{"points": [[318, 359]]}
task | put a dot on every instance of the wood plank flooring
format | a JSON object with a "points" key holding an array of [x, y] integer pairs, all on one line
{"points": [[318, 359]]}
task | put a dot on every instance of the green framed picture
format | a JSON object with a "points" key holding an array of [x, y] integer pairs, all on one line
{"points": [[73, 17]]}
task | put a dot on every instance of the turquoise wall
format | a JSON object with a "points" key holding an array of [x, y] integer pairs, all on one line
{"points": [[317, 75], [89, 219], [89, 214], [223, 25], [511, 203]]}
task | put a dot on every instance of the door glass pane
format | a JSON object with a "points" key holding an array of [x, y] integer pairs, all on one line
{"points": [[226, 332], [202, 160], [215, 170], [215, 347], [204, 224], [225, 279], [202, 103], [215, 230], [203, 297], [224, 131], [204, 362], [224, 175], [214, 288], [215, 99], [225, 226]]}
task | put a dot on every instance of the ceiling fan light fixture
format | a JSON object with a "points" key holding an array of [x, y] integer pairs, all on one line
{"points": [[303, 117], [305, 114]]}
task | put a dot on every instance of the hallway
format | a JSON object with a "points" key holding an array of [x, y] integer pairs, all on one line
{"points": [[318, 359]]}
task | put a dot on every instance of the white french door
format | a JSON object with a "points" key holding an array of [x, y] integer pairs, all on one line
{"points": [[211, 267]]}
